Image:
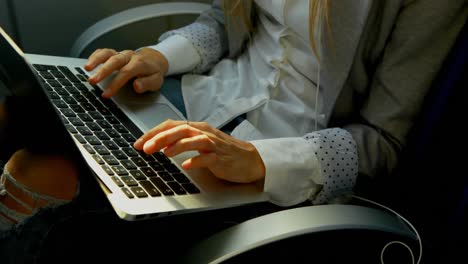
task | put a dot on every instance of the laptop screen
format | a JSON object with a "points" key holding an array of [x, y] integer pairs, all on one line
{"points": [[32, 116], [15, 73]]}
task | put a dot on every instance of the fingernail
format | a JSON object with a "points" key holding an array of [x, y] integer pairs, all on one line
{"points": [[106, 94], [138, 86], [95, 77], [138, 143]]}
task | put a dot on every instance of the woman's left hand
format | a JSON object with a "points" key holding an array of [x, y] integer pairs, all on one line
{"points": [[226, 157]]}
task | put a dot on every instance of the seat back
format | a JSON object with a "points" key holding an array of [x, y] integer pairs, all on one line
{"points": [[432, 174]]}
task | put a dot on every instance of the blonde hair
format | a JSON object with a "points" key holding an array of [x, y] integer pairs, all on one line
{"points": [[318, 11]]}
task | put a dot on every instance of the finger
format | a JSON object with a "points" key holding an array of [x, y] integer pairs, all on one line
{"points": [[201, 161], [148, 83], [168, 124], [169, 137], [113, 63], [206, 127], [202, 143], [97, 57], [130, 70]]}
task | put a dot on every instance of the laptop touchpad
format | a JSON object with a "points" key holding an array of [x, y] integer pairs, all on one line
{"points": [[146, 116], [145, 110]]}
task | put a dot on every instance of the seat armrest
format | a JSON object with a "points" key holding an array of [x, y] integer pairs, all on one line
{"points": [[130, 16], [294, 222]]}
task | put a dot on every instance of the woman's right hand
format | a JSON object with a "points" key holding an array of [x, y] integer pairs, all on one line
{"points": [[146, 67]]}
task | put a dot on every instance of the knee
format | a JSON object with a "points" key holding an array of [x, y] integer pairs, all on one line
{"points": [[38, 181], [50, 174]]}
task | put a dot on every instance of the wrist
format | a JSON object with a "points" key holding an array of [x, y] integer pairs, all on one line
{"points": [[258, 167], [158, 57]]}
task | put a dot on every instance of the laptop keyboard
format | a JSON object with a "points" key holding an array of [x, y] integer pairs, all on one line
{"points": [[108, 135]]}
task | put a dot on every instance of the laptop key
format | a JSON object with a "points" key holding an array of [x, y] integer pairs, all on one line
{"points": [[53, 95], [112, 133], [64, 82], [138, 175], [129, 138], [47, 75], [118, 181], [139, 161], [128, 164], [93, 140], [129, 181], [149, 187], [176, 188], [148, 172], [93, 126], [119, 155], [57, 74], [59, 103], [171, 168], [121, 142], [101, 135], [69, 99], [76, 121], [81, 87], [121, 129], [111, 160], [95, 115], [87, 107], [146, 156], [128, 193], [80, 98], [191, 188], [107, 169], [119, 170], [72, 90], [70, 76], [64, 119], [139, 192], [131, 152], [180, 178], [54, 83], [156, 166], [84, 131], [89, 148], [98, 159], [80, 139], [113, 120], [67, 112], [104, 124], [161, 157], [110, 145], [101, 150], [71, 129], [165, 176], [85, 117], [162, 187], [77, 108]]}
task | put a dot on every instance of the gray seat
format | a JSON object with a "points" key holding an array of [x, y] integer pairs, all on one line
{"points": [[131, 16]]}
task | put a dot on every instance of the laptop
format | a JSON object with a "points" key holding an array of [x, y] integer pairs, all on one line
{"points": [[138, 186]]}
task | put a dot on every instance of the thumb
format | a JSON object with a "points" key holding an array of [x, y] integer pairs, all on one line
{"points": [[149, 83]]}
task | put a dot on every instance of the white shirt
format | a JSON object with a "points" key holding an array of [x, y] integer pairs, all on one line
{"points": [[274, 82]]}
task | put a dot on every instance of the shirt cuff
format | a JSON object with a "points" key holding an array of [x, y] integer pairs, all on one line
{"points": [[292, 172], [180, 54]]}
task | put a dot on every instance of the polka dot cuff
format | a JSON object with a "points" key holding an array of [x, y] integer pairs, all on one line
{"points": [[205, 40], [337, 154]]}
